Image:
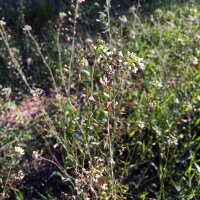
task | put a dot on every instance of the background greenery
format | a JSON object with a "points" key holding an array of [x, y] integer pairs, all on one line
{"points": [[95, 121]]}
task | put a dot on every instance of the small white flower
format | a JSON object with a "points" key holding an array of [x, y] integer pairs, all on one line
{"points": [[134, 57], [84, 62], [36, 92], [27, 28], [62, 15], [177, 101], [158, 13], [19, 151], [132, 9], [193, 60], [35, 155], [20, 175], [134, 69], [81, 1], [141, 65], [120, 60], [141, 124], [104, 186], [104, 81], [120, 54], [88, 41], [123, 19], [91, 98], [2, 23], [29, 61], [111, 161], [157, 84]]}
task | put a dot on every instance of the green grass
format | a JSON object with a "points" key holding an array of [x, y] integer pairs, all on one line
{"points": [[121, 119]]}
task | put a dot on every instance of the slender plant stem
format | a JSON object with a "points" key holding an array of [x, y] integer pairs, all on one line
{"points": [[43, 59], [4, 189], [12, 56], [59, 53], [73, 46]]}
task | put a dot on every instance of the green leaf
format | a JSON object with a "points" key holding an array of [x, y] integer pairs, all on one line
{"points": [[168, 98]]}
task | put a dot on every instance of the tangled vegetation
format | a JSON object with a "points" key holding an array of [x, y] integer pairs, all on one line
{"points": [[101, 104]]}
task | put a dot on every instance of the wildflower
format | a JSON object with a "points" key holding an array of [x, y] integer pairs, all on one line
{"points": [[158, 13], [142, 66], [81, 1], [193, 60], [104, 81], [62, 15], [111, 161], [36, 92], [55, 145], [110, 70], [6, 91], [35, 154], [27, 28], [20, 175], [29, 61], [106, 51], [91, 98], [120, 60], [19, 151], [177, 101], [108, 3], [134, 69], [88, 41], [132, 56], [171, 140], [132, 9], [157, 84], [141, 124], [104, 186], [123, 19], [95, 143], [2, 23], [121, 150], [84, 62], [120, 54]]}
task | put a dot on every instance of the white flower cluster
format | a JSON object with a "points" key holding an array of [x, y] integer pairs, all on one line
{"points": [[27, 28], [131, 62], [172, 140], [81, 1], [157, 84], [132, 9], [2, 23], [92, 179], [103, 49], [158, 13], [193, 60], [19, 151], [36, 92], [141, 124], [123, 19], [62, 15], [134, 62], [84, 62], [20, 175], [36, 155]]}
